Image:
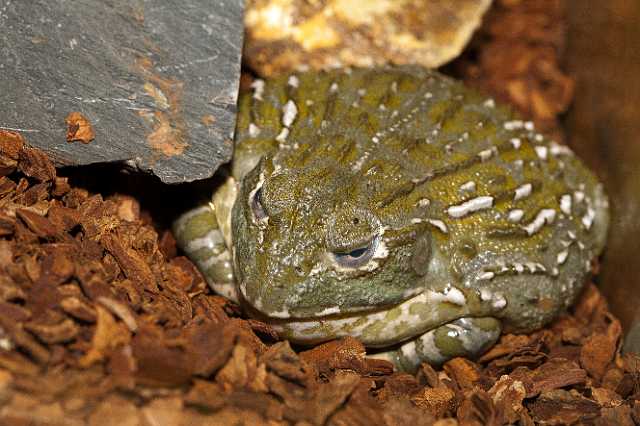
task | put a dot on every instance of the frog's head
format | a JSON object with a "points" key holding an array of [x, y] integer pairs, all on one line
{"points": [[316, 241]]}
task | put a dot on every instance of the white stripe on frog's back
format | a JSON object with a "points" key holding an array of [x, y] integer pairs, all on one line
{"points": [[522, 191], [473, 205]]}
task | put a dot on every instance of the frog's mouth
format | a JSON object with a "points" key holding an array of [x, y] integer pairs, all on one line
{"points": [[381, 327], [421, 311], [260, 310]]}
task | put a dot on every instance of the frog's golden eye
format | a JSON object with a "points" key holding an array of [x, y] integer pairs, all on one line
{"points": [[259, 213], [358, 256]]}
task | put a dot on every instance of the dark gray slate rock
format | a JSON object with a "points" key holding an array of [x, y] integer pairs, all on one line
{"points": [[157, 79]]}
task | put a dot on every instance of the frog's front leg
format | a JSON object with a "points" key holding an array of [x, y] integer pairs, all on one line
{"points": [[203, 234], [467, 337]]}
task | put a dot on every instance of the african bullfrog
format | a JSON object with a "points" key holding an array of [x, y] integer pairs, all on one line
{"points": [[397, 206]]}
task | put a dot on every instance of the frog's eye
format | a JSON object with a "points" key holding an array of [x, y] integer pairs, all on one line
{"points": [[259, 213], [358, 256]]}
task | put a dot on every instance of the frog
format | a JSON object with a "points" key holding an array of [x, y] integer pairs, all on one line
{"points": [[397, 206]]}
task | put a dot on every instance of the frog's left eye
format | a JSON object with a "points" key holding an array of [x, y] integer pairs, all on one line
{"points": [[259, 213], [358, 256]]}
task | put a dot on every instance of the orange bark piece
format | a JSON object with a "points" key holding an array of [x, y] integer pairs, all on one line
{"points": [[79, 128]]}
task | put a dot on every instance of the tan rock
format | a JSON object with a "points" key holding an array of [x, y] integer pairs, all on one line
{"points": [[287, 35]]}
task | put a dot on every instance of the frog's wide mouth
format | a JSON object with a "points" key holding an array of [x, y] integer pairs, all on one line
{"points": [[258, 309], [375, 328], [385, 325]]}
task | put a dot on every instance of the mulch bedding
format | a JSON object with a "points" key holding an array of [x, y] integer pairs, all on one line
{"points": [[101, 322]]}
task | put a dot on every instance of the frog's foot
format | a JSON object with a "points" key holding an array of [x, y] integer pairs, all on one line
{"points": [[467, 337], [198, 234]]}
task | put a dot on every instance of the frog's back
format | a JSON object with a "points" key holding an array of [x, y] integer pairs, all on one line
{"points": [[509, 211]]}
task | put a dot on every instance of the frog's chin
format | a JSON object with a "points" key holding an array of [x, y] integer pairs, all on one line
{"points": [[256, 309]]}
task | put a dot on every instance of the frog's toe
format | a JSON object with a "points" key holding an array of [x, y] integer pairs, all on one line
{"points": [[466, 337]]}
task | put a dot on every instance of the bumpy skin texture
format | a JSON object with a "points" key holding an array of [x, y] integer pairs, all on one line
{"points": [[397, 206]]}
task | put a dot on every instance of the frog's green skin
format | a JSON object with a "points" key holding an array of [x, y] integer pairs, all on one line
{"points": [[465, 220]]}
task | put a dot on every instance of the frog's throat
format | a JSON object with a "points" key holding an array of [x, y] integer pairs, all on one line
{"points": [[384, 327]]}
